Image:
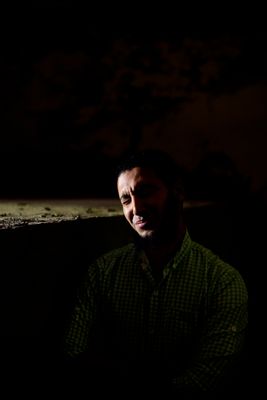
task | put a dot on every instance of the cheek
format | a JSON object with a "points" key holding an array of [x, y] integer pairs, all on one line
{"points": [[127, 214], [166, 207], [172, 206], [163, 204]]}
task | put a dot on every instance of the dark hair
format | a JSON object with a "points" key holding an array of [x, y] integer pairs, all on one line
{"points": [[160, 162]]}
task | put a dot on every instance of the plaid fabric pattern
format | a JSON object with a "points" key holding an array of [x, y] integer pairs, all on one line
{"points": [[193, 320]]}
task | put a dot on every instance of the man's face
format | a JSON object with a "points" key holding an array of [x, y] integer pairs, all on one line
{"points": [[145, 201]]}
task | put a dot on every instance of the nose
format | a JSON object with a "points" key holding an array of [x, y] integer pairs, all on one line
{"points": [[138, 206]]}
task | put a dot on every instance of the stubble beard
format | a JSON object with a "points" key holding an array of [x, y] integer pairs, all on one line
{"points": [[168, 229]]}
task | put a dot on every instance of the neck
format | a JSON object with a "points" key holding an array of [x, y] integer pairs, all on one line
{"points": [[160, 252]]}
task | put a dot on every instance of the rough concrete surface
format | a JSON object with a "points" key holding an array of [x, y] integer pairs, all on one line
{"points": [[21, 212]]}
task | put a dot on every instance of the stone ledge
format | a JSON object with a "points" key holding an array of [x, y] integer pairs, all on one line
{"points": [[24, 212], [21, 212]]}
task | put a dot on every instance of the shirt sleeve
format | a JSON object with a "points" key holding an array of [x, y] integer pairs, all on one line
{"points": [[223, 336], [82, 320]]}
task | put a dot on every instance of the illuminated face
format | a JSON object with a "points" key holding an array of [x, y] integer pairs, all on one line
{"points": [[145, 199]]}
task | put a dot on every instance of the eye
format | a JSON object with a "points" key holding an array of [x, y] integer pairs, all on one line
{"points": [[125, 200]]}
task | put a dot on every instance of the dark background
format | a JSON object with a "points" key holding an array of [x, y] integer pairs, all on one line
{"points": [[80, 89], [77, 93]]}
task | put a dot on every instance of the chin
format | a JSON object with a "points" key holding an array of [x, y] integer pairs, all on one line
{"points": [[147, 235]]}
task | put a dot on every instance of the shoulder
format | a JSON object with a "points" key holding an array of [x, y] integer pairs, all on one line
{"points": [[117, 255], [103, 265], [216, 269], [118, 252]]}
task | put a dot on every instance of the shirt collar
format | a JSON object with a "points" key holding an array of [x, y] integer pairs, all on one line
{"points": [[176, 260], [183, 251]]}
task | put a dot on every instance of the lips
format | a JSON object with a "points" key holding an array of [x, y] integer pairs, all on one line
{"points": [[141, 225], [137, 219], [140, 222]]}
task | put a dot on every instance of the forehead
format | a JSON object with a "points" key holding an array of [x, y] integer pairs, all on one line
{"points": [[137, 176]]}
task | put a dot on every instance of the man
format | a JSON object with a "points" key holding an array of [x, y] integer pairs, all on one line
{"points": [[162, 313]]}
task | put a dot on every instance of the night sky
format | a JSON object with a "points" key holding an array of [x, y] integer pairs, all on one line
{"points": [[77, 94]]}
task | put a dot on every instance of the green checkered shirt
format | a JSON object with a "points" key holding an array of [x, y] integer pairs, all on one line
{"points": [[193, 321]]}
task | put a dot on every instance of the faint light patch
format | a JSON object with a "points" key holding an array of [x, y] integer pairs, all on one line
{"points": [[233, 328]]}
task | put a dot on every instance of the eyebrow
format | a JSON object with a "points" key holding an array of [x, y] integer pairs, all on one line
{"points": [[138, 189]]}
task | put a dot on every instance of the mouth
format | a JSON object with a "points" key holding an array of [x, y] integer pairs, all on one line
{"points": [[140, 223]]}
